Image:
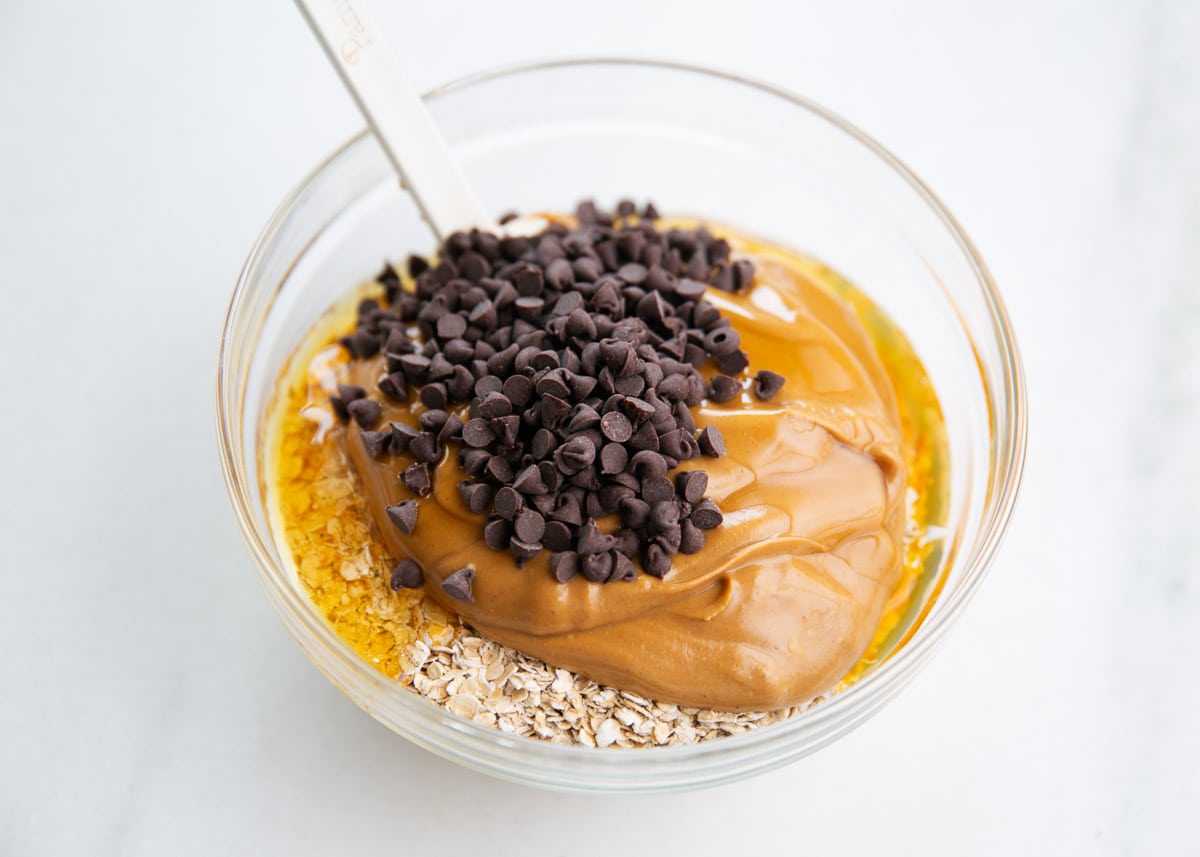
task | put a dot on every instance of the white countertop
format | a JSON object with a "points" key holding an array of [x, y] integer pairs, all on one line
{"points": [[153, 704]]}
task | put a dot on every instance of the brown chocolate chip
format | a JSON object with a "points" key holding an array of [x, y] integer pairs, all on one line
{"points": [[529, 526], [706, 515], [407, 575], [613, 458], [403, 515], [767, 384], [395, 387], [723, 389], [557, 536], [417, 479], [478, 433], [365, 412], [377, 443], [497, 533], [459, 584], [597, 567], [616, 426], [522, 550], [567, 509], [657, 489], [711, 442], [518, 389], [722, 340], [434, 396], [425, 447], [529, 481], [734, 363], [622, 569], [476, 495], [691, 537], [656, 562], [743, 274], [451, 326], [564, 565], [691, 485], [574, 455]]}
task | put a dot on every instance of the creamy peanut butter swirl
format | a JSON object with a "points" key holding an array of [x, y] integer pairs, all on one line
{"points": [[785, 596]]}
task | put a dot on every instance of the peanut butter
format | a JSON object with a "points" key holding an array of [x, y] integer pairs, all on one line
{"points": [[785, 597]]}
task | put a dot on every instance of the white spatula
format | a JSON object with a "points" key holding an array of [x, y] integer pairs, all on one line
{"points": [[397, 115]]}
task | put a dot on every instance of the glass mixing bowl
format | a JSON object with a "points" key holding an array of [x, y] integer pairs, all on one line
{"points": [[697, 142]]}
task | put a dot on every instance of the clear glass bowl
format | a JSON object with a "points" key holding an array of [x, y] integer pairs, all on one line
{"points": [[542, 137]]}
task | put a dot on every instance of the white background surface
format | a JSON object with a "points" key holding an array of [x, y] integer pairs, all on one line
{"points": [[153, 705]]}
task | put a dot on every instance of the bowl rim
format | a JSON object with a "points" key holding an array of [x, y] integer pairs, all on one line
{"points": [[1006, 457]]}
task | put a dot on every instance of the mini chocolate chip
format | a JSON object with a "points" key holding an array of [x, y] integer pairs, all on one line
{"points": [[451, 326], [476, 495], [743, 274], [529, 481], [722, 340], [478, 433], [733, 364], [616, 426], [706, 515], [365, 412], [597, 567], [451, 429], [622, 569], [632, 273], [403, 515], [766, 384], [567, 509], [564, 565], [613, 458], [645, 438], [657, 489], [691, 485], [402, 435], [494, 405], [499, 469], [518, 389], [434, 396], [656, 561], [663, 516], [506, 429], [395, 387], [433, 420], [574, 455], [557, 536], [425, 447], [497, 533], [648, 464], [673, 443], [417, 479], [634, 512], [459, 584], [377, 443], [407, 575], [529, 526], [560, 275], [691, 537], [487, 384], [553, 410], [591, 540], [508, 502], [543, 443], [523, 551], [723, 389], [711, 442]]}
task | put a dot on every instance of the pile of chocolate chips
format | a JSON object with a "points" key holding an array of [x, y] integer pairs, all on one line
{"points": [[578, 353]]}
